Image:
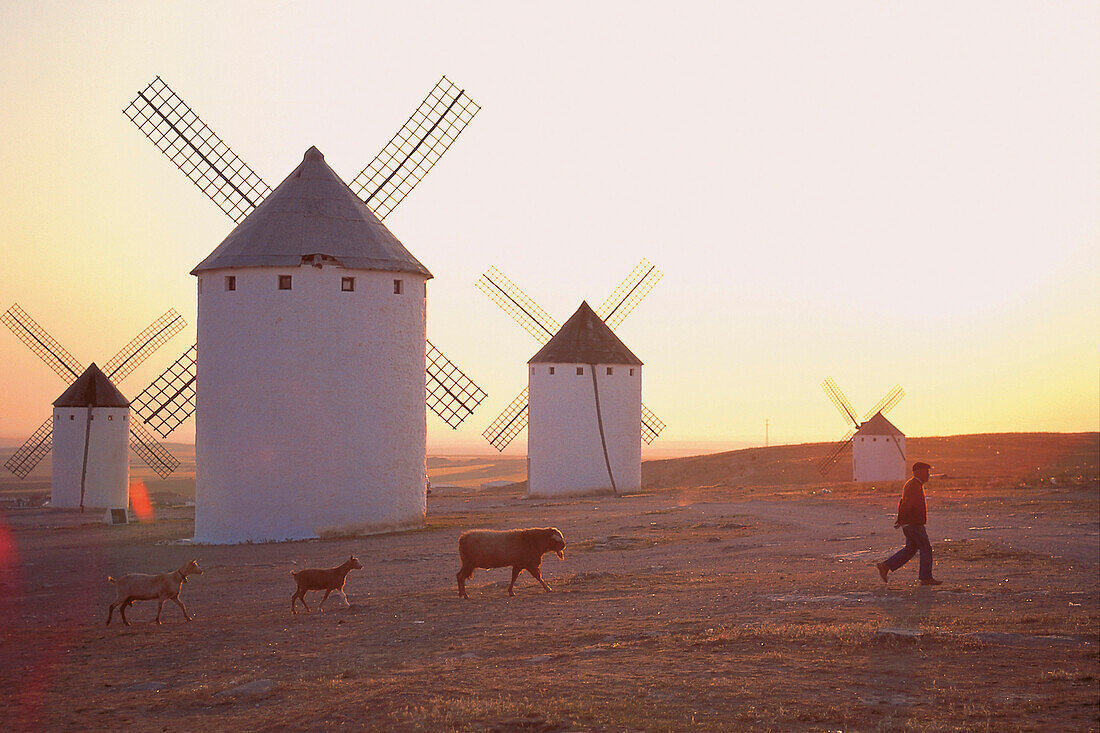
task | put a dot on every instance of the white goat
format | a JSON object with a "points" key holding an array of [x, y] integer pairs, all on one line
{"points": [[141, 587]]}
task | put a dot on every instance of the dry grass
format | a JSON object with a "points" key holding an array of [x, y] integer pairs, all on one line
{"points": [[677, 610]]}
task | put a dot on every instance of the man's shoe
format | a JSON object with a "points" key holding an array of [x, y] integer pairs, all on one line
{"points": [[930, 581], [883, 570]]}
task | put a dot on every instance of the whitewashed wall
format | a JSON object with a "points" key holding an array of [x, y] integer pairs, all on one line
{"points": [[107, 483], [878, 458], [310, 404], [564, 452]]}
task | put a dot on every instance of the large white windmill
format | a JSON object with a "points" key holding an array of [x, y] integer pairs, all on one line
{"points": [[583, 403], [308, 377], [91, 426], [878, 447]]}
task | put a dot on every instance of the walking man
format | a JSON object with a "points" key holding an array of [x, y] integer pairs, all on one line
{"points": [[912, 516]]}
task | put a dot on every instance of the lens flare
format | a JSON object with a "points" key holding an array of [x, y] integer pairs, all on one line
{"points": [[9, 561], [139, 500]]}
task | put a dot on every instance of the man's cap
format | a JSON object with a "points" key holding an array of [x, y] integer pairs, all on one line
{"points": [[921, 464]]}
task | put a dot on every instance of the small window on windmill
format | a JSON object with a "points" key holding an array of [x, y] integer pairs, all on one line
{"points": [[72, 417], [580, 370], [230, 282], [347, 284], [397, 287], [286, 282], [632, 372], [609, 371], [551, 370]]}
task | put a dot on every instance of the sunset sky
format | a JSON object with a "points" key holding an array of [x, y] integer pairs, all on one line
{"points": [[881, 192]]}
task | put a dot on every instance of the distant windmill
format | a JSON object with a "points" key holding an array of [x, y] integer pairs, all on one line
{"points": [[585, 433], [878, 447], [89, 468], [311, 369]]}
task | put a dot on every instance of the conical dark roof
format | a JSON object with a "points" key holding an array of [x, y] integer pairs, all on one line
{"points": [[878, 425], [585, 339], [92, 388], [312, 212]]}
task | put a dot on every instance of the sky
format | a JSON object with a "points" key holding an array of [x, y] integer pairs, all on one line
{"points": [[880, 192]]}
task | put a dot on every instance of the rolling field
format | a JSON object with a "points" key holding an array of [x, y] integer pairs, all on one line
{"points": [[735, 591]]}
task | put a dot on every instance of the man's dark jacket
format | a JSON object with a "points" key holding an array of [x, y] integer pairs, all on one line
{"points": [[911, 508]]}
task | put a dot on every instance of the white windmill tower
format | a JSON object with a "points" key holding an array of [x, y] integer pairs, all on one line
{"points": [[91, 430], [309, 372], [91, 427], [878, 447], [583, 404]]}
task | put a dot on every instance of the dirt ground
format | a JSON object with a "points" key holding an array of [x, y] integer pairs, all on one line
{"points": [[721, 606]]}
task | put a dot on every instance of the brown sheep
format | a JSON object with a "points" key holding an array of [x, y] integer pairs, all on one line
{"points": [[328, 580], [521, 548], [141, 587]]}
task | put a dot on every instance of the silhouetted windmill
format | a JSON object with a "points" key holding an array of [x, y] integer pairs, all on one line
{"points": [[542, 327], [878, 447], [237, 190], [45, 347]]}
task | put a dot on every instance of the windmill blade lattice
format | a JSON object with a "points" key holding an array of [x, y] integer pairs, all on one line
{"points": [[155, 455], [509, 423], [42, 344], [839, 400], [835, 454], [196, 150], [416, 147], [518, 305], [170, 398], [450, 393], [31, 453], [630, 292], [887, 403], [142, 346], [651, 425]]}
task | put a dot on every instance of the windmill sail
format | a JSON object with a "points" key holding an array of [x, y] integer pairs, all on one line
{"points": [[416, 147], [155, 455], [839, 400], [630, 292], [887, 403], [170, 398], [31, 453], [196, 150], [651, 425], [518, 305], [42, 344], [509, 423], [142, 346], [826, 464], [450, 393]]}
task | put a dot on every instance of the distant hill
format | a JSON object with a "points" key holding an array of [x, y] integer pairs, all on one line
{"points": [[991, 458], [994, 459]]}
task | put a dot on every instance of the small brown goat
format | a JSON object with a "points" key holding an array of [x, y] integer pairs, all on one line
{"points": [[141, 587], [328, 580], [521, 548]]}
